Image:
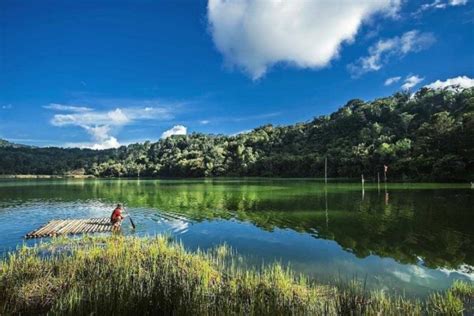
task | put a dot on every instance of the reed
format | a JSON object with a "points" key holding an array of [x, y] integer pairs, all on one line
{"points": [[128, 275]]}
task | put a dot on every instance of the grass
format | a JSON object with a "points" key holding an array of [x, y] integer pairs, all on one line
{"points": [[140, 276]]}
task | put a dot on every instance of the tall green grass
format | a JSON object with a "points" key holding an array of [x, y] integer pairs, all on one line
{"points": [[128, 275]]}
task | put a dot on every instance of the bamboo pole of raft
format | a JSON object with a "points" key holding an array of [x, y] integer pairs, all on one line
{"points": [[89, 227], [74, 229], [52, 231], [39, 231], [44, 231], [86, 227], [65, 228], [83, 227], [55, 228], [77, 229], [99, 227], [60, 229], [102, 225], [107, 225], [36, 231], [94, 226], [97, 224]]}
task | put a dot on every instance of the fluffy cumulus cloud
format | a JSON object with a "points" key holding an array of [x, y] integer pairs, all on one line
{"points": [[175, 130], [101, 137], [254, 35], [392, 80], [382, 51], [411, 81], [99, 124], [461, 82]]}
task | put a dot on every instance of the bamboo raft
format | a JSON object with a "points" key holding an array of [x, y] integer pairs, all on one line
{"points": [[72, 226]]}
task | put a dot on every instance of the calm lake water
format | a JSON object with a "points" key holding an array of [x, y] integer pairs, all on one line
{"points": [[411, 238]]}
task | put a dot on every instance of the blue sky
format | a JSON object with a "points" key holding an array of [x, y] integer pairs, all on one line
{"points": [[104, 73]]}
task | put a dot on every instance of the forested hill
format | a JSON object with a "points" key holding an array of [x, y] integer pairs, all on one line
{"points": [[428, 136], [4, 143]]}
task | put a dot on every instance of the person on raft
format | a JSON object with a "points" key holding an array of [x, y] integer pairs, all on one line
{"points": [[117, 217]]}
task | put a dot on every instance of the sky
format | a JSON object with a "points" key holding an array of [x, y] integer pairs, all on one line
{"points": [[100, 74]]}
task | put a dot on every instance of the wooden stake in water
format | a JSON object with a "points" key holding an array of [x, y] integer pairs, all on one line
{"points": [[363, 185]]}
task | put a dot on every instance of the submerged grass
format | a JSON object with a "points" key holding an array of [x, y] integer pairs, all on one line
{"points": [[128, 275]]}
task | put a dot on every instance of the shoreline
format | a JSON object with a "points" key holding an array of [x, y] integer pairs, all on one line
{"points": [[367, 181], [46, 176]]}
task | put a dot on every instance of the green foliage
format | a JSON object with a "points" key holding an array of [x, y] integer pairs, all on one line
{"points": [[429, 136]]}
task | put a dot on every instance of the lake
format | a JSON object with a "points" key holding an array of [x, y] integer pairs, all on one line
{"points": [[408, 238]]}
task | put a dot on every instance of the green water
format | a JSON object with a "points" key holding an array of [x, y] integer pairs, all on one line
{"points": [[412, 238]]}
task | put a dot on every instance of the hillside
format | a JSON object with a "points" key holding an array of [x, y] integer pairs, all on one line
{"points": [[5, 143], [427, 136]]}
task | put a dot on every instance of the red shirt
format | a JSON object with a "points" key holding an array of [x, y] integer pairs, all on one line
{"points": [[117, 213]]}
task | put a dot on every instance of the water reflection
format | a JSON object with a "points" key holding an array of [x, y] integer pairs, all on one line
{"points": [[396, 232]]}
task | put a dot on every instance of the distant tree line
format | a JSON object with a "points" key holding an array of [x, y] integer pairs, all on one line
{"points": [[425, 136]]}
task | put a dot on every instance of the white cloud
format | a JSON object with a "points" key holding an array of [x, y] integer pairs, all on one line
{"points": [[175, 130], [457, 2], [441, 4], [204, 122], [242, 132], [392, 80], [254, 35], [109, 143], [100, 135], [98, 124], [66, 108], [119, 116], [382, 51], [461, 82], [411, 81]]}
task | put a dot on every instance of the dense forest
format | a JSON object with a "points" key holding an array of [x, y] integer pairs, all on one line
{"points": [[428, 135]]}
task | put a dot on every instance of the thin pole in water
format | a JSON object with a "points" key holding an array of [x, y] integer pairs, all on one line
{"points": [[363, 183], [131, 220]]}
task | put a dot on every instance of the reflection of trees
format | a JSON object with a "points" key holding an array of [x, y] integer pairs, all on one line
{"points": [[432, 224]]}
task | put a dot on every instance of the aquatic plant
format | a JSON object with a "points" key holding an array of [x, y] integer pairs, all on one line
{"points": [[128, 275]]}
